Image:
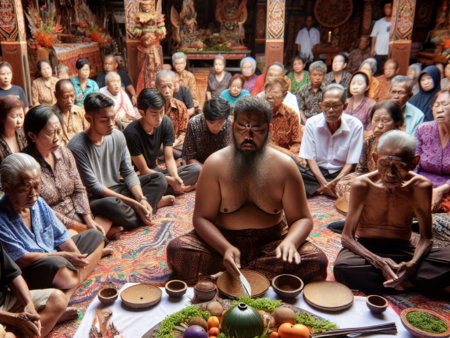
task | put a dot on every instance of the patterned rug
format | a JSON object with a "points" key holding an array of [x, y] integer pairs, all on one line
{"points": [[140, 256]]}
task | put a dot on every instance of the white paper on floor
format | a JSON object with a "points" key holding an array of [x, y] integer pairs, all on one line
{"points": [[135, 323]]}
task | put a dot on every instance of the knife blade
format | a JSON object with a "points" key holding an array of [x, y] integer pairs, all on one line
{"points": [[245, 284]]}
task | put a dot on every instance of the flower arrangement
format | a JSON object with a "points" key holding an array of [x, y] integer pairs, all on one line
{"points": [[45, 30]]}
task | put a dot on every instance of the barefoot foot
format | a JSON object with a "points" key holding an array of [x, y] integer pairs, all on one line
{"points": [[190, 188], [107, 251], [165, 201], [115, 233], [70, 313]]}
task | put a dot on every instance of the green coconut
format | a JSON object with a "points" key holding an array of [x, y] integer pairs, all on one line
{"points": [[242, 321]]}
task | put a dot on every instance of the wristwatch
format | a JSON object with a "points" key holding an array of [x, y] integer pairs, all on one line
{"points": [[143, 198]]}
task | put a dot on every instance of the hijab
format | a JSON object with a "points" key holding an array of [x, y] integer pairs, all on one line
{"points": [[423, 100]]}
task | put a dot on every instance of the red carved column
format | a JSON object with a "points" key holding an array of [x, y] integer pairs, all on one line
{"points": [[366, 24], [401, 32], [132, 42], [275, 31], [14, 44]]}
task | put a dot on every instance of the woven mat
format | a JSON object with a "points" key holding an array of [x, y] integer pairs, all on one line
{"points": [[140, 257]]}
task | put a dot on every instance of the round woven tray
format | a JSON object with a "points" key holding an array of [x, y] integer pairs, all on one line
{"points": [[328, 296], [231, 287], [141, 296]]}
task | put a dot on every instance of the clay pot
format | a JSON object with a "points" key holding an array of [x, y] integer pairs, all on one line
{"points": [[108, 295], [205, 290], [287, 286], [377, 304], [176, 288]]}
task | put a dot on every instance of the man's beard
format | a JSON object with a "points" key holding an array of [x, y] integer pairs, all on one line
{"points": [[251, 165]]}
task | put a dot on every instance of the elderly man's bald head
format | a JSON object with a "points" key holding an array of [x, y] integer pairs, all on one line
{"points": [[110, 64]]}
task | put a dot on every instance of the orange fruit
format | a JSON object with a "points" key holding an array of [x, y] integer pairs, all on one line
{"points": [[213, 321], [288, 330], [274, 335], [214, 331]]}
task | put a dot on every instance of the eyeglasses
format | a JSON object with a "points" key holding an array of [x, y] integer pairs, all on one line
{"points": [[334, 106], [444, 105]]}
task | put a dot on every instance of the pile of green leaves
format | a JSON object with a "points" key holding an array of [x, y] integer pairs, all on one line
{"points": [[264, 304], [167, 325], [426, 322], [317, 326]]}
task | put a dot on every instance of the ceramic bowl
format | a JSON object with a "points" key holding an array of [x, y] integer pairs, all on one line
{"points": [[377, 304], [108, 295], [176, 288], [287, 286], [423, 334]]}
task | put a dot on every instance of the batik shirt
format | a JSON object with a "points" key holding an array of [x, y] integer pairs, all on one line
{"points": [[200, 143], [4, 147], [48, 231], [91, 87], [308, 100]]}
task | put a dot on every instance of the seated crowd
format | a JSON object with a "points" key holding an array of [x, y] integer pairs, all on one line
{"points": [[344, 133]]}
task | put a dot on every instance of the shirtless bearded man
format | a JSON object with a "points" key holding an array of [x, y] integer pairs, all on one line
{"points": [[238, 216], [377, 253]]}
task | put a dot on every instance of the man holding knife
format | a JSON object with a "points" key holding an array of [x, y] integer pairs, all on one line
{"points": [[238, 217]]}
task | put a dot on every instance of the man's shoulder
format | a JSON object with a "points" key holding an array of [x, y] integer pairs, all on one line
{"points": [[217, 160], [132, 128], [420, 182], [196, 120], [304, 89], [352, 122], [76, 141], [178, 104], [314, 120]]}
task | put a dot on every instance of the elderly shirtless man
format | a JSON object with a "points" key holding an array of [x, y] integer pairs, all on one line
{"points": [[238, 220], [377, 253]]}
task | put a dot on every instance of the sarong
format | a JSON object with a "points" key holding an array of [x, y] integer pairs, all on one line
{"points": [[433, 273], [188, 255]]}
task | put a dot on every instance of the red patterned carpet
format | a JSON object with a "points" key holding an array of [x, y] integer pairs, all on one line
{"points": [[140, 256]]}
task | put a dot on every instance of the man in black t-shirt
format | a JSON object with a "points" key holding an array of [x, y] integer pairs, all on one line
{"points": [[110, 65], [19, 306], [183, 94], [145, 137]]}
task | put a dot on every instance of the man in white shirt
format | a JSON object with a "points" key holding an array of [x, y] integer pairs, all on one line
{"points": [[380, 37], [123, 108], [332, 144], [308, 39]]}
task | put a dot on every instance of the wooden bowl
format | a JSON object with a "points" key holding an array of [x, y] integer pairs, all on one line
{"points": [[141, 296], [423, 334], [377, 304], [342, 205], [108, 295], [287, 286], [176, 288]]}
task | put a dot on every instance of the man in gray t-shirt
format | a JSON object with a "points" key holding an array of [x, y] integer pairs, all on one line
{"points": [[102, 157]]}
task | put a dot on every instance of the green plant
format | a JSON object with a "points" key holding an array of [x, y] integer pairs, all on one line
{"points": [[426, 322], [167, 325], [317, 326]]}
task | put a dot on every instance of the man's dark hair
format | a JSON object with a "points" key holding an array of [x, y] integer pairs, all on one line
{"points": [[216, 109], [36, 120], [96, 101], [61, 83], [150, 98], [41, 63], [247, 104], [81, 63]]}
